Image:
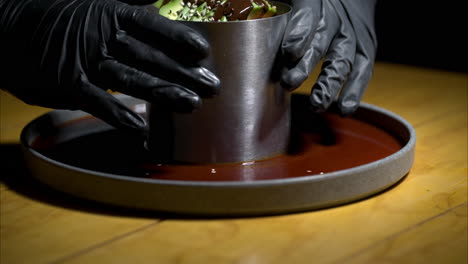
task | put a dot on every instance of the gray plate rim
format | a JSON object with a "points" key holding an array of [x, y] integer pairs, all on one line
{"points": [[227, 197]]}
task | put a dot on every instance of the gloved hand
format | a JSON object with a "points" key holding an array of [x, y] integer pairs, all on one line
{"points": [[66, 53], [342, 33]]}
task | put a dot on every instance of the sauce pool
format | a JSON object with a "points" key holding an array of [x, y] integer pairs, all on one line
{"points": [[323, 144]]}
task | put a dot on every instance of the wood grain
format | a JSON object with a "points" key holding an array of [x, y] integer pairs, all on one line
{"points": [[423, 219], [36, 232]]}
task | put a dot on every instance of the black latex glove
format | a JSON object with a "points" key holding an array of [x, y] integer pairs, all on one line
{"points": [[342, 33], [66, 53]]}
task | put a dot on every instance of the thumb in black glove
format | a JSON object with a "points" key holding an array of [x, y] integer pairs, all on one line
{"points": [[67, 53]]}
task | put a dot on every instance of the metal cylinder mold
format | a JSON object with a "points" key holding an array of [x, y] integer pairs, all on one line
{"points": [[250, 118]]}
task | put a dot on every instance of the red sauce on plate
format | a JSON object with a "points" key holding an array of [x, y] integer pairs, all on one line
{"points": [[322, 144]]}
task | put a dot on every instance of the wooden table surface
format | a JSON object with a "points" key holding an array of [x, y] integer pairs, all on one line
{"points": [[423, 219]]}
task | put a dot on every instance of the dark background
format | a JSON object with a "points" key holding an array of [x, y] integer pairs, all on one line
{"points": [[423, 33]]}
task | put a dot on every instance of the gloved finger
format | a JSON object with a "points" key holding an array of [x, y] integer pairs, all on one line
{"points": [[103, 105], [361, 74], [138, 2], [337, 64], [153, 61], [160, 31], [327, 28], [130, 81], [356, 84], [300, 29]]}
